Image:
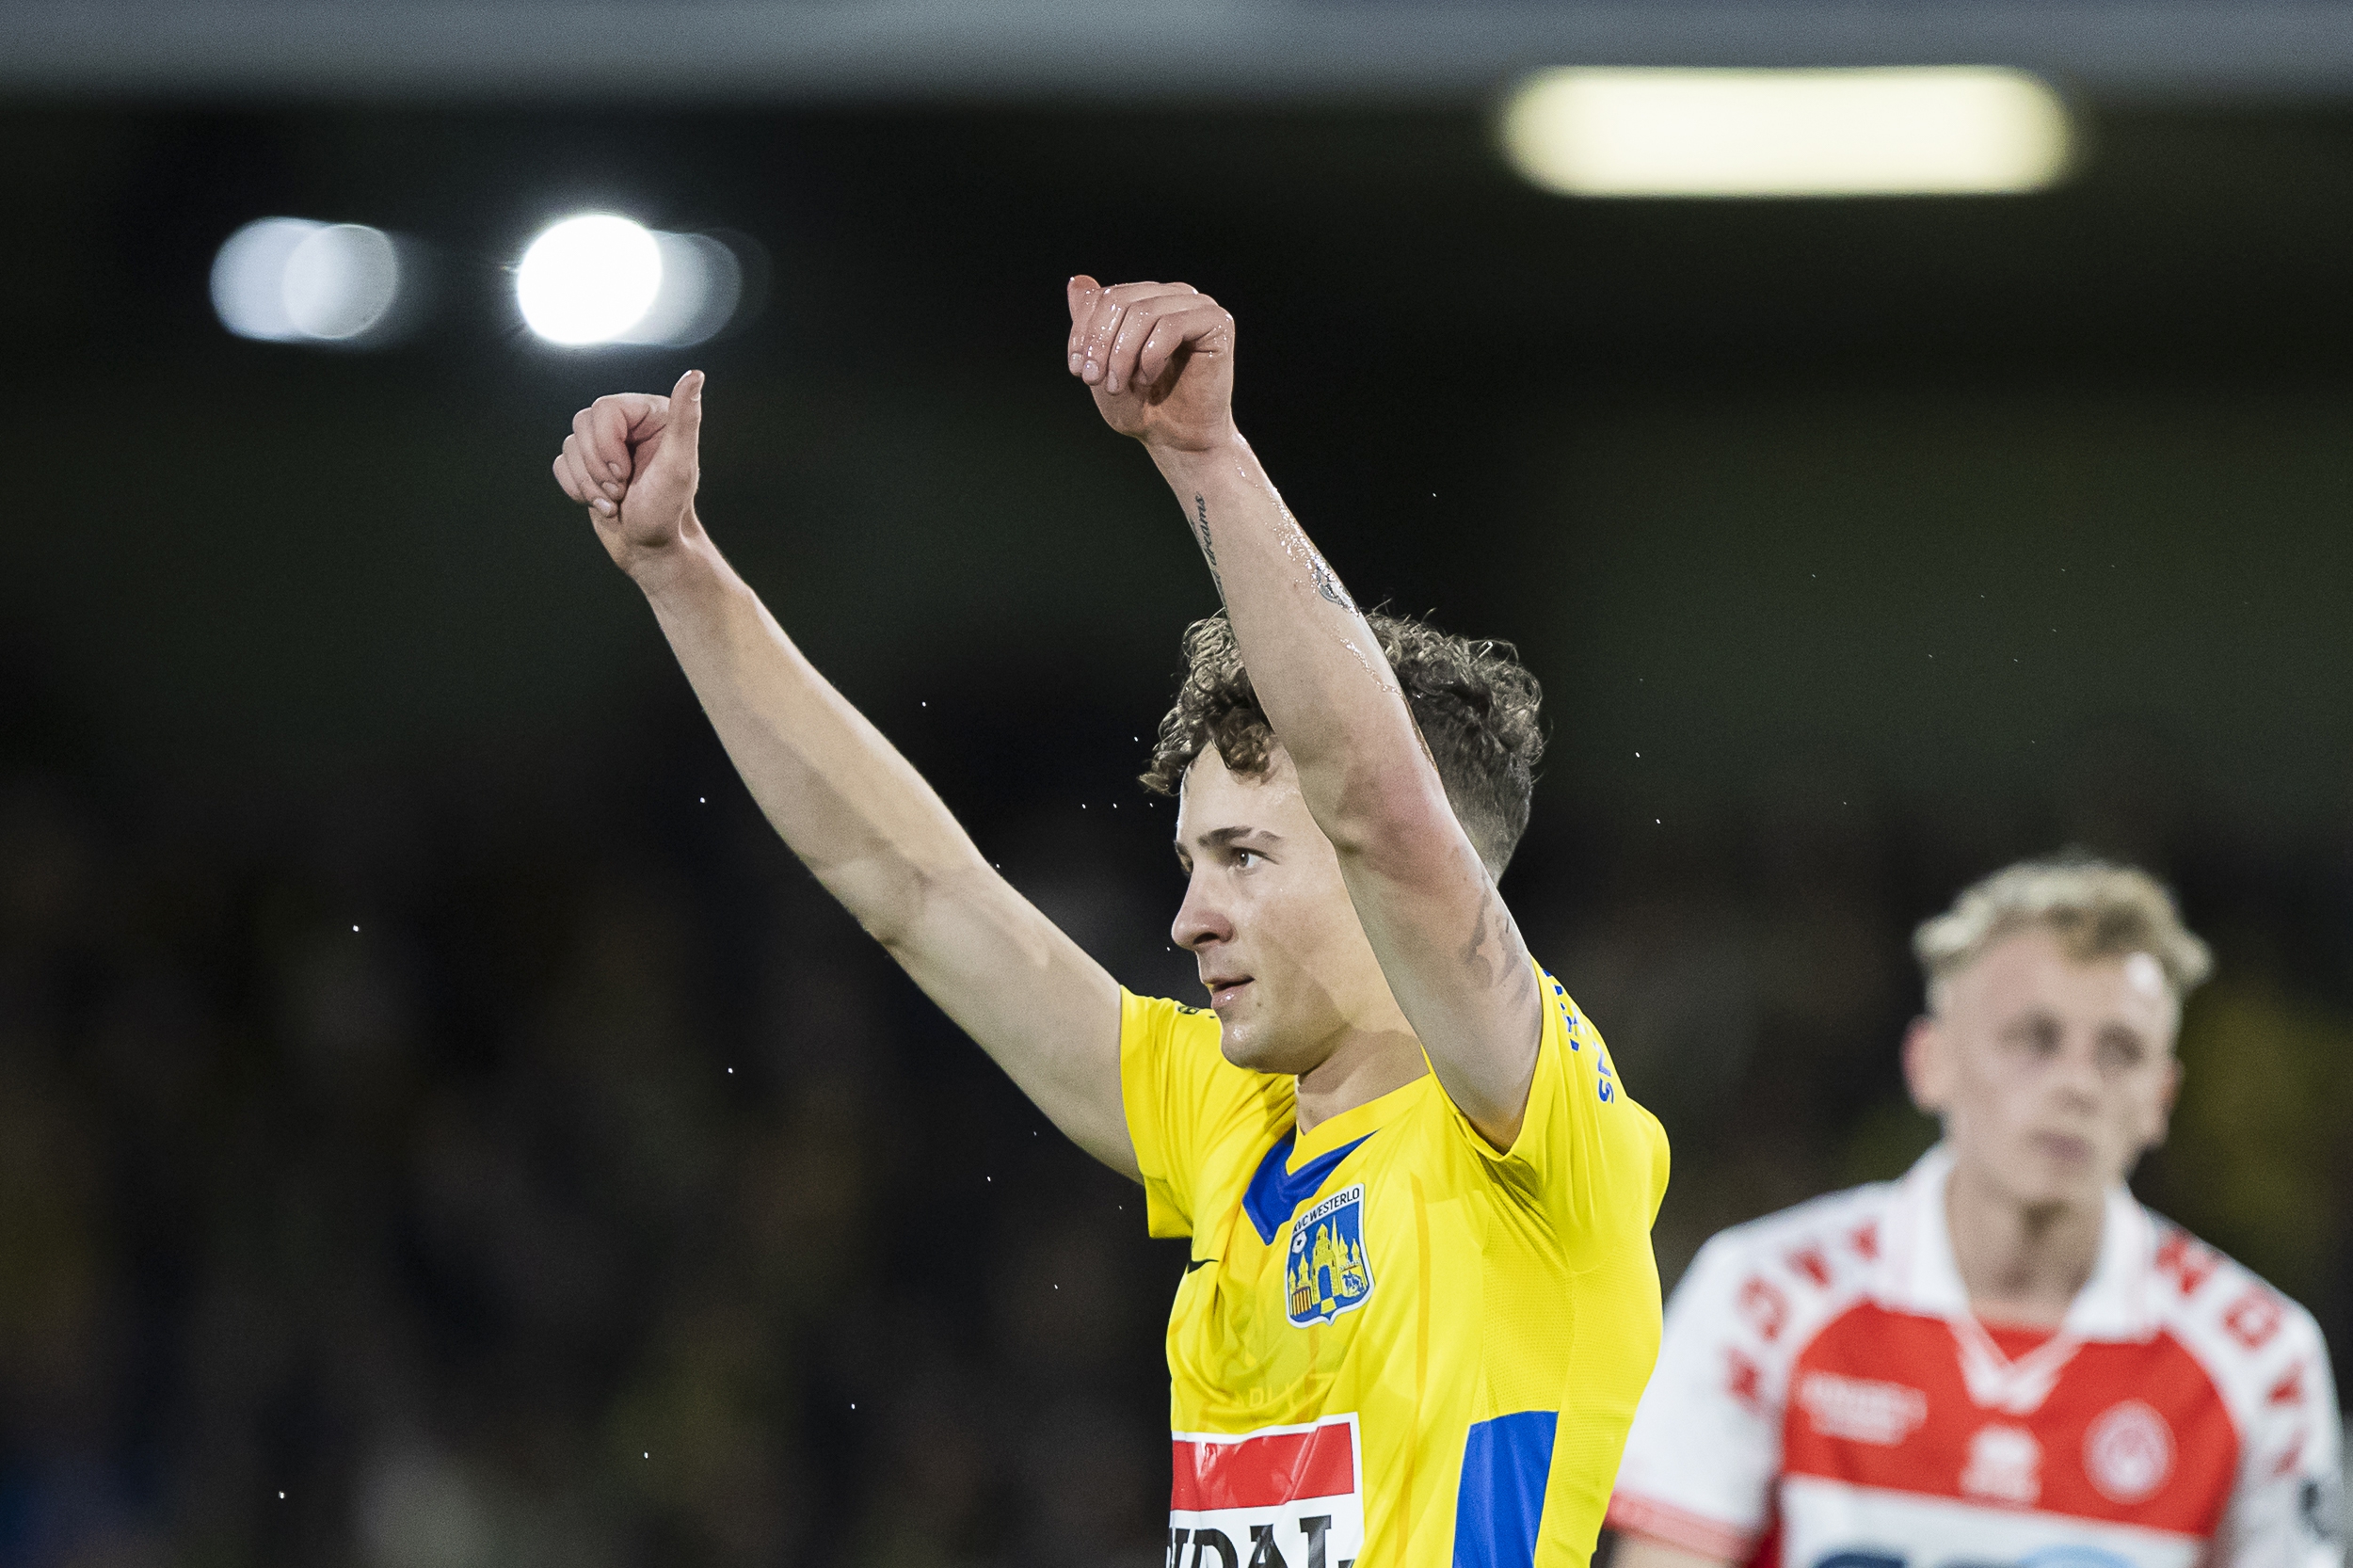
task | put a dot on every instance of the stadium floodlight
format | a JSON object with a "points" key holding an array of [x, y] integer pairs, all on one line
{"points": [[1880, 132], [599, 279], [702, 283], [588, 280], [293, 280]]}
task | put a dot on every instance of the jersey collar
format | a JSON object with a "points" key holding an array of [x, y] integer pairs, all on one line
{"points": [[1295, 1167], [1918, 1273], [1352, 1124], [1276, 1190]]}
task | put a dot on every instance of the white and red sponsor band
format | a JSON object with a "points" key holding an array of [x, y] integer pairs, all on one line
{"points": [[1291, 1495], [1826, 1521]]}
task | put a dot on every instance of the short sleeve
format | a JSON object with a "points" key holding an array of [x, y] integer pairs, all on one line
{"points": [[1701, 1460], [1593, 1159], [1591, 1166], [1183, 1101], [2288, 1509]]}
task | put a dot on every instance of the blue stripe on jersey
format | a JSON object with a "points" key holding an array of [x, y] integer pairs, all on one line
{"points": [[1505, 1464], [1275, 1192]]}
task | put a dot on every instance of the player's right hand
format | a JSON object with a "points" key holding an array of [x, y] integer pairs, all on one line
{"points": [[631, 459]]}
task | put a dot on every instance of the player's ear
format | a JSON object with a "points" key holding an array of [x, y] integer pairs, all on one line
{"points": [[2162, 1118], [1925, 1070]]}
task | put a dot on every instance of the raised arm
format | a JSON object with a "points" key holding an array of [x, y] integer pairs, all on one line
{"points": [[842, 797], [1160, 359]]}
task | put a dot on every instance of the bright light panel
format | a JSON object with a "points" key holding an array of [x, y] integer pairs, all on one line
{"points": [[341, 281], [589, 279], [702, 283], [598, 279], [291, 280], [1930, 131]]}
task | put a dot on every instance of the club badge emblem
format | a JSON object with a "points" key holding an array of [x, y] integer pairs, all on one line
{"points": [[1328, 1272], [2128, 1452]]}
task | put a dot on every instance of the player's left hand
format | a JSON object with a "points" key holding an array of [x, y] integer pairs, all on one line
{"points": [[632, 460], [1160, 359]]}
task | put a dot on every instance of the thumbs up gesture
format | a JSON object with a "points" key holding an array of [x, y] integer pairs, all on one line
{"points": [[631, 459]]}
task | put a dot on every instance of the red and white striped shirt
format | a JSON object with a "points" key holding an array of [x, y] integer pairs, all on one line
{"points": [[1825, 1400]]}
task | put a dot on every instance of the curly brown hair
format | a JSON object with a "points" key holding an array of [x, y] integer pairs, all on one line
{"points": [[1476, 704]]}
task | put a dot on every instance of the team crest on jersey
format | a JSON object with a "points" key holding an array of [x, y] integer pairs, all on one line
{"points": [[1328, 1272]]}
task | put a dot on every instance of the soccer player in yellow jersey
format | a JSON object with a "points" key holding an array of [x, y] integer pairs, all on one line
{"points": [[1421, 1303]]}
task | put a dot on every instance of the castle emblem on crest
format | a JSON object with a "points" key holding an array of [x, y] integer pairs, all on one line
{"points": [[1328, 1272]]}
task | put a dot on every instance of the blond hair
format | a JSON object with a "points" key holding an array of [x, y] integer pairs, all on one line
{"points": [[2095, 909]]}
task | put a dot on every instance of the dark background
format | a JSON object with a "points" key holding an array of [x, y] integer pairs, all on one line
{"points": [[440, 1126]]}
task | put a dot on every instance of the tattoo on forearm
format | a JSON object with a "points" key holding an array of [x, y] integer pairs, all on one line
{"points": [[1320, 571], [1208, 550], [1328, 583]]}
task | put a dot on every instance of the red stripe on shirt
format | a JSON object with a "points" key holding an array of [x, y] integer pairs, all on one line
{"points": [[1263, 1472]]}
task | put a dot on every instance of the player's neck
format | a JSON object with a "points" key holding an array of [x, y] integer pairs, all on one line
{"points": [[2022, 1263], [1365, 1064]]}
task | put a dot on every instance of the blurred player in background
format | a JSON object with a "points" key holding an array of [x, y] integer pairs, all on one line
{"points": [[2001, 1358], [1421, 1302]]}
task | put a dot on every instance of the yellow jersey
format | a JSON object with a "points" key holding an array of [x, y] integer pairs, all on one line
{"points": [[1393, 1344]]}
